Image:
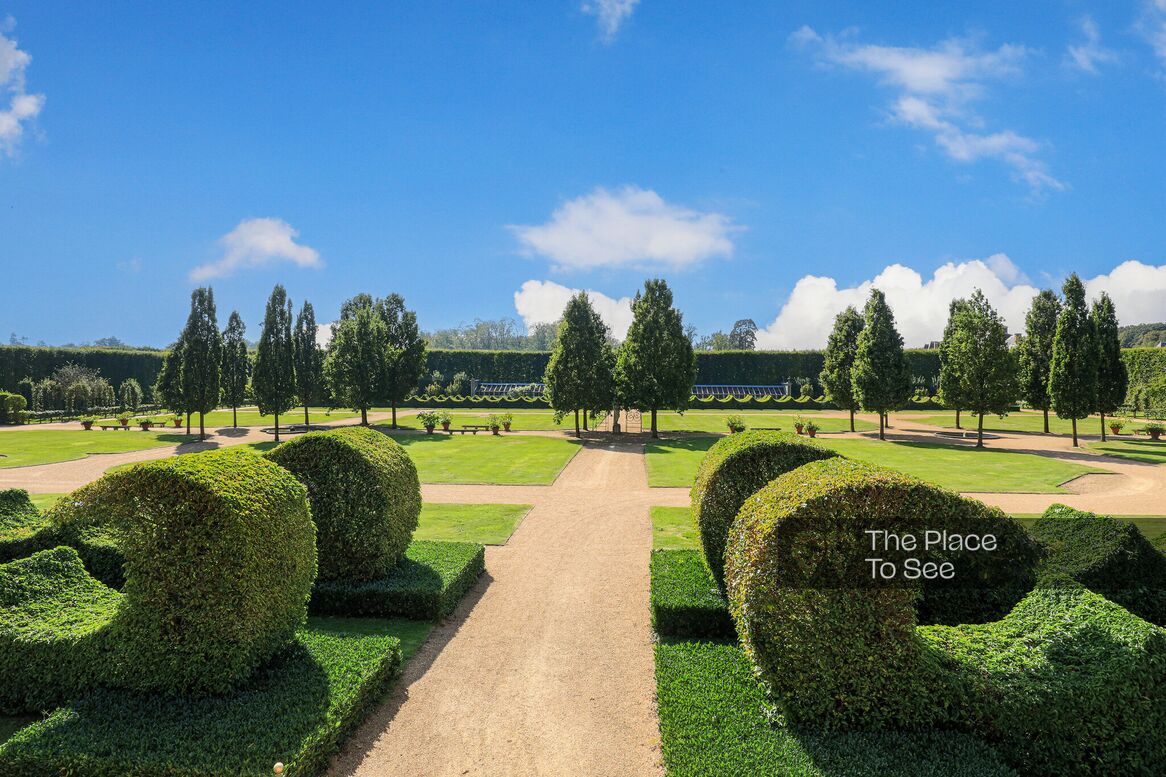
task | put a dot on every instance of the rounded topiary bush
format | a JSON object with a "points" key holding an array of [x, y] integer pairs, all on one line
{"points": [[220, 557], [831, 644], [733, 469], [365, 498]]}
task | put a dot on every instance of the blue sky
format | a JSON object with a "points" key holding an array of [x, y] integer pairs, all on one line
{"points": [[463, 153]]}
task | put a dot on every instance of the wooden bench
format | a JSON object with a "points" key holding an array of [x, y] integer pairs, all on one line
{"points": [[472, 428], [765, 428], [112, 426]]}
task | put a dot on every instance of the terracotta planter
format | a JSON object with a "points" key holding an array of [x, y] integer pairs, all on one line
{"points": [[87, 424], [1154, 435], [799, 428], [429, 429], [445, 426], [177, 423], [1115, 429], [506, 427], [146, 426], [496, 430], [124, 424], [812, 433]]}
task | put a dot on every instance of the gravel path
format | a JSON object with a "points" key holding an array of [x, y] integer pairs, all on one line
{"points": [[546, 668]]}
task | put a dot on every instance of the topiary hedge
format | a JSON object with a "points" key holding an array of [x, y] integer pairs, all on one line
{"points": [[684, 599], [734, 468], [220, 557], [365, 497], [1106, 555], [20, 522]]}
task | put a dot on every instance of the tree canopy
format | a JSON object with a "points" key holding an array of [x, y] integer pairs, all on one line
{"points": [[1113, 379], [308, 359], [987, 367], [580, 373], [356, 362], [882, 376], [1036, 351], [236, 365], [202, 356], [841, 348], [1073, 374], [950, 383], [274, 379], [405, 356]]}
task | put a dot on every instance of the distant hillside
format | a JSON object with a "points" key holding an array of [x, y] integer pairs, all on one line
{"points": [[1142, 335]]}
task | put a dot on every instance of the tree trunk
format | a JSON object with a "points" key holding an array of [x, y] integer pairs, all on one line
{"points": [[306, 421], [882, 435], [957, 419], [655, 434], [585, 421], [188, 424], [1074, 432], [980, 432], [201, 425], [577, 423], [1046, 411], [277, 427], [852, 419], [234, 417], [1103, 427], [394, 406], [364, 416]]}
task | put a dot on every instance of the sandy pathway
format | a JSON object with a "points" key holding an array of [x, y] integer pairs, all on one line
{"points": [[546, 668]]}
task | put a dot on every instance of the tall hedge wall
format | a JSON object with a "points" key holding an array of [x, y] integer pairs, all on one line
{"points": [[23, 361], [516, 366]]}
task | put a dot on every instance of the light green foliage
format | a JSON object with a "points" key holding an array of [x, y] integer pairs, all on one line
{"points": [[236, 369], [365, 498], [202, 356], [1073, 376], [20, 521], [580, 374], [485, 524], [130, 394], [655, 366], [274, 380], [31, 446], [950, 368], [484, 458], [356, 361], [308, 359], [673, 529], [1036, 351], [405, 358], [882, 376], [986, 374], [838, 361], [1112, 377]]}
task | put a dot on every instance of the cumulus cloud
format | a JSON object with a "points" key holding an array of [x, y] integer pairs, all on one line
{"points": [[610, 14], [934, 89], [1152, 26], [628, 227], [257, 243], [1088, 54], [1137, 290], [542, 302], [22, 106], [324, 334]]}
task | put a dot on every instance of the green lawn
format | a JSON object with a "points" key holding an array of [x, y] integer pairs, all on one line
{"points": [[486, 524], [484, 458], [1022, 421], [960, 468], [524, 420], [1144, 449], [673, 529], [250, 416], [28, 447], [714, 420], [1153, 526]]}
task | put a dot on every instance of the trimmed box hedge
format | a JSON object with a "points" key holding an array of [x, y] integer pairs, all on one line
{"points": [[735, 468], [365, 497], [684, 597], [297, 710], [20, 522], [427, 584], [1105, 555]]}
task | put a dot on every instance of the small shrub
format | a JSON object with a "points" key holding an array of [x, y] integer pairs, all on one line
{"points": [[445, 418], [365, 496], [735, 423], [733, 469], [12, 407], [429, 419], [684, 597]]}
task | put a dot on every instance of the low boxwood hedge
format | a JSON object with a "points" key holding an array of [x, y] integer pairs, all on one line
{"points": [[220, 557], [20, 522], [365, 499], [428, 583], [296, 710], [734, 468], [684, 597], [1105, 555]]}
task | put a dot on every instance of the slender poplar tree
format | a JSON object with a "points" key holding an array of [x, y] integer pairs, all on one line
{"points": [[1113, 379], [274, 381], [882, 376], [202, 357], [236, 366], [841, 349], [405, 355], [950, 367], [1073, 375], [580, 373], [308, 358], [167, 386], [1036, 351]]}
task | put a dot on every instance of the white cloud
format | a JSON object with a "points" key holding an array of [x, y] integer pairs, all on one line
{"points": [[1152, 26], [324, 334], [22, 107], [257, 243], [1137, 290], [611, 14], [631, 226], [935, 87], [1089, 54], [542, 302]]}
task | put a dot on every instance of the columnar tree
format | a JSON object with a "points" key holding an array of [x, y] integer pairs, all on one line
{"points": [[655, 366], [882, 376], [841, 348], [1073, 375], [580, 373], [950, 368], [167, 386], [274, 380], [130, 394], [987, 374], [308, 359], [355, 366], [202, 357], [236, 366], [1113, 379], [405, 356], [1036, 351]]}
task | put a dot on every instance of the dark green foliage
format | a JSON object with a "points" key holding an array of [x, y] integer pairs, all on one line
{"points": [[714, 720], [130, 394], [236, 368], [428, 583], [832, 646], [838, 361], [580, 374], [20, 522], [655, 367], [516, 366], [734, 469], [274, 378], [986, 371], [356, 363], [1146, 368], [54, 630], [1142, 335], [1073, 376], [743, 335], [1036, 351], [308, 359], [12, 408], [1107, 556], [220, 556], [365, 499], [405, 360], [18, 362], [950, 368], [684, 597], [167, 387], [297, 709], [1112, 377], [202, 357], [882, 375]]}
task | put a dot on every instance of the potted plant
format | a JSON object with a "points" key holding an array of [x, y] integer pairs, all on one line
{"points": [[735, 424], [445, 418], [124, 420], [495, 423], [146, 423], [428, 419], [799, 424], [812, 429], [1116, 426], [177, 419], [1154, 430], [506, 419], [87, 423]]}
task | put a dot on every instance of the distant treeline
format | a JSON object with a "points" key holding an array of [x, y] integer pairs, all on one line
{"points": [[29, 361], [1142, 335]]}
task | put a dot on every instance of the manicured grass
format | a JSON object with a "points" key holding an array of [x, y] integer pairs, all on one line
{"points": [[524, 420], [250, 416], [1144, 449], [43, 502], [484, 458], [713, 722], [297, 711], [1021, 421], [714, 420], [29, 447], [684, 598], [960, 468], [673, 529], [486, 524]]}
